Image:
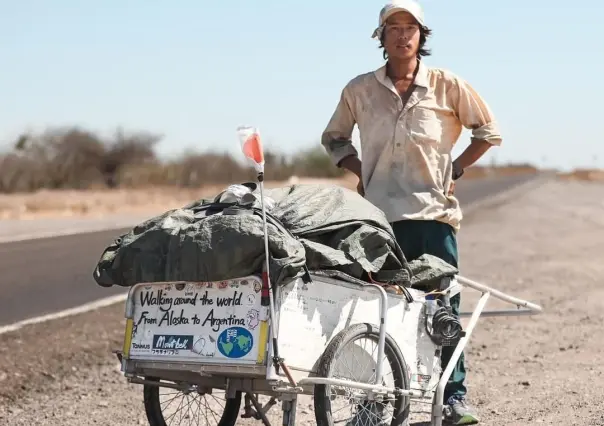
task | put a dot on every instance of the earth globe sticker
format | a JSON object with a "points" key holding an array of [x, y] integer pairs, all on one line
{"points": [[235, 342]]}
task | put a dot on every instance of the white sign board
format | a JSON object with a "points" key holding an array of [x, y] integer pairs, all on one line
{"points": [[218, 322]]}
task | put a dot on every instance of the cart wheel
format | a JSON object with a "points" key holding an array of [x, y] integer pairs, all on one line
{"points": [[165, 406], [348, 357]]}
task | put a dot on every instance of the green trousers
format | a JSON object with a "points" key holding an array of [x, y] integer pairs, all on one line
{"points": [[417, 237]]}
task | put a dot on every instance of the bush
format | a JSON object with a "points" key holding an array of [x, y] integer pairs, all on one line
{"points": [[74, 158]]}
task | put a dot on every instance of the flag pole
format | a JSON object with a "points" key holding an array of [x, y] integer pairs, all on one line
{"points": [[267, 274], [277, 361], [251, 146]]}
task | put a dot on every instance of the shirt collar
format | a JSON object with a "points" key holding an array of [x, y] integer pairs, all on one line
{"points": [[421, 79]]}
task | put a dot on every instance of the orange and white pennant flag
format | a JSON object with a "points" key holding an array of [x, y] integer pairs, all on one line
{"points": [[251, 145]]}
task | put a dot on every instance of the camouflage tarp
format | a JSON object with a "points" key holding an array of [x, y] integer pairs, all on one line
{"points": [[428, 270], [314, 226]]}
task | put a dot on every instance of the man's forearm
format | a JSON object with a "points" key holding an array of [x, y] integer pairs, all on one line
{"points": [[353, 164], [472, 154]]}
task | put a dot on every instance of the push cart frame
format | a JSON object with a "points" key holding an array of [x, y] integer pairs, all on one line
{"points": [[287, 389]]}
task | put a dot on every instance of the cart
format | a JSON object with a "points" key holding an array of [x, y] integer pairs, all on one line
{"points": [[364, 354], [212, 347]]}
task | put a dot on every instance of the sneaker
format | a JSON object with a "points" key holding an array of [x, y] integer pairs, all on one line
{"points": [[458, 412]]}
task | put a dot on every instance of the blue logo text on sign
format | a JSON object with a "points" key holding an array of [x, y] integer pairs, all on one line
{"points": [[235, 342]]}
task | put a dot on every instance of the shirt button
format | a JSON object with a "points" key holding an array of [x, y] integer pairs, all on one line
{"points": [[398, 144]]}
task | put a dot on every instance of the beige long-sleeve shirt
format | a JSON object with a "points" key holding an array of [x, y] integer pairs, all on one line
{"points": [[406, 151]]}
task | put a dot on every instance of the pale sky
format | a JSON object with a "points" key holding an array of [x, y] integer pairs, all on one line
{"points": [[195, 70]]}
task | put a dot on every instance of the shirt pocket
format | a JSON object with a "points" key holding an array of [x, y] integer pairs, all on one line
{"points": [[425, 131], [425, 125]]}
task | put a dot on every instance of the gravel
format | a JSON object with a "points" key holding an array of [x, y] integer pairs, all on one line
{"points": [[544, 246]]}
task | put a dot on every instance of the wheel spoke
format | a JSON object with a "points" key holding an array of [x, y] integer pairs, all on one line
{"points": [[171, 416], [190, 407], [355, 359]]}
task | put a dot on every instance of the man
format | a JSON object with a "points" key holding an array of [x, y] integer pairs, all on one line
{"points": [[409, 117]]}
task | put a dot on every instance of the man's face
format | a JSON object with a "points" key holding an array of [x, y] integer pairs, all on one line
{"points": [[401, 36]]}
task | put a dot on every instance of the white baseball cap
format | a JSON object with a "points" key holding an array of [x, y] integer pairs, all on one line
{"points": [[395, 6]]}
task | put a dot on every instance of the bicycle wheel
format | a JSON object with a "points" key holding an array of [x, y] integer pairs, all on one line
{"points": [[166, 406], [336, 363]]}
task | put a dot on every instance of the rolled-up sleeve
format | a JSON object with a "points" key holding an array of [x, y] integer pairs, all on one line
{"points": [[475, 114], [337, 136]]}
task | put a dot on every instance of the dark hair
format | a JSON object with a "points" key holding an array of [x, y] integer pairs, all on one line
{"points": [[424, 34]]}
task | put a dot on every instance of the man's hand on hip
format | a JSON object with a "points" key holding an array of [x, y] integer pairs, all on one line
{"points": [[361, 188], [451, 191], [353, 164]]}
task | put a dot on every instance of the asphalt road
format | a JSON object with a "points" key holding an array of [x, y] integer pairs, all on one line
{"points": [[47, 275]]}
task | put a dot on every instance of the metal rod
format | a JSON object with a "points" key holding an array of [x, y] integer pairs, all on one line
{"points": [[289, 411], [288, 374], [437, 407], [271, 373], [139, 381], [267, 255], [358, 385], [382, 335], [259, 409], [501, 313], [498, 294]]}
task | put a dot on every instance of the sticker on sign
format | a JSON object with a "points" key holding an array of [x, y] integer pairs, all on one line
{"points": [[217, 322], [235, 342]]}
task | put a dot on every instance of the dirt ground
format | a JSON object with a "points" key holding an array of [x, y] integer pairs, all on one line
{"points": [[545, 246]]}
